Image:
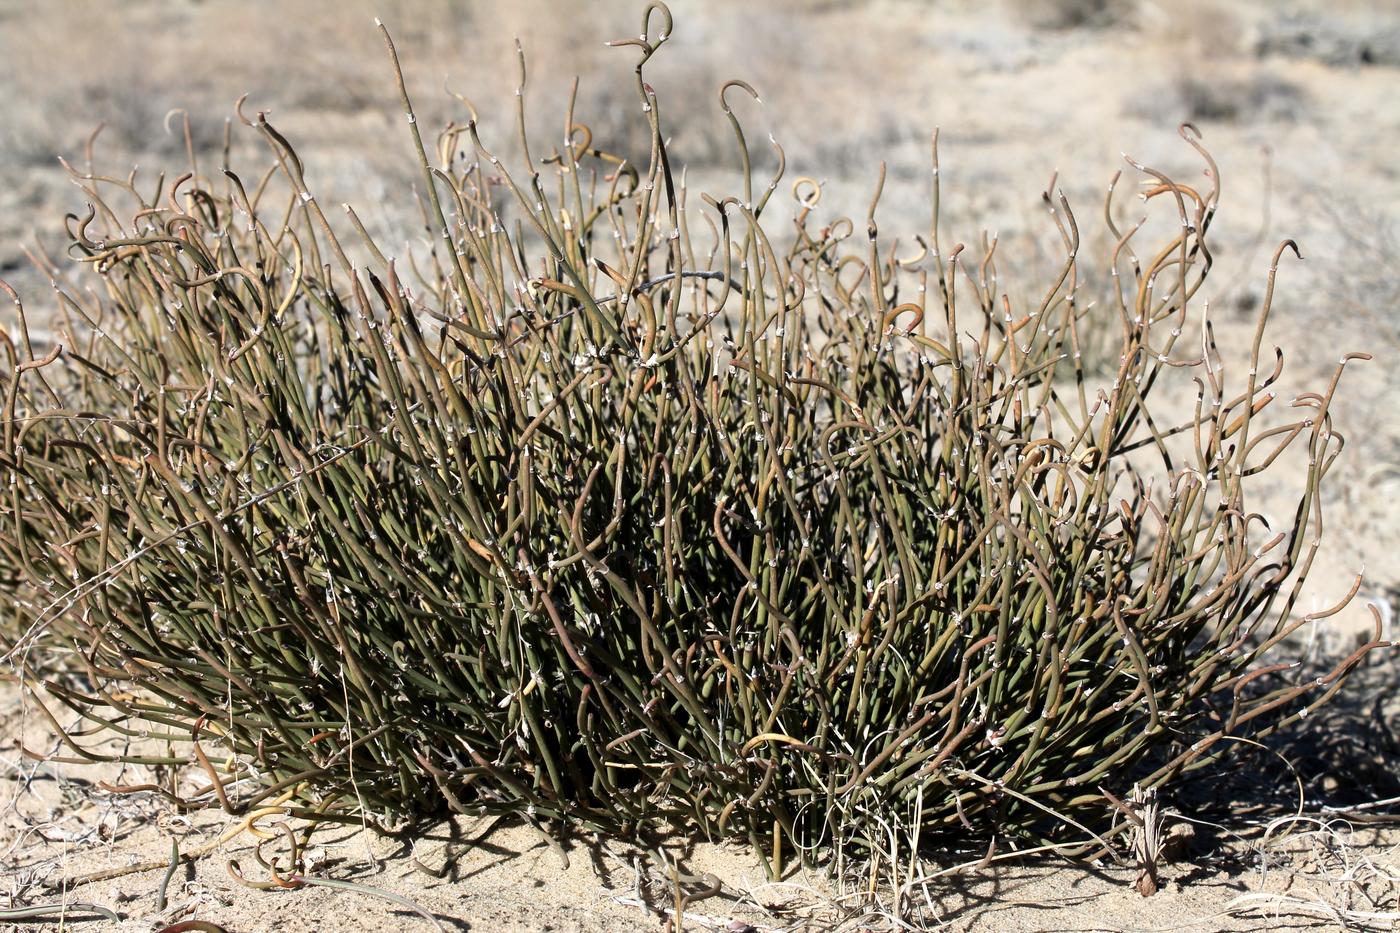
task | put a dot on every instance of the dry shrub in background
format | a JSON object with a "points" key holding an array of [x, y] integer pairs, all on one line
{"points": [[621, 511], [1075, 14]]}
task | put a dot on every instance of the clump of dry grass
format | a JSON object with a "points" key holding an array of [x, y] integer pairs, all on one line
{"points": [[615, 510]]}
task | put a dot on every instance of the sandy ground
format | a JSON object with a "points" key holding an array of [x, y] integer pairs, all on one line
{"points": [[1297, 101], [67, 840]]}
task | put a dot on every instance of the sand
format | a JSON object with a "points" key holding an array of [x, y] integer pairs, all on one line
{"points": [[64, 839]]}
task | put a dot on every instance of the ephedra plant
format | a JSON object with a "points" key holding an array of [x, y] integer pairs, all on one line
{"points": [[626, 508]]}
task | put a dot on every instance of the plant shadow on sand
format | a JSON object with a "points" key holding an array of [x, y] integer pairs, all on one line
{"points": [[1255, 858]]}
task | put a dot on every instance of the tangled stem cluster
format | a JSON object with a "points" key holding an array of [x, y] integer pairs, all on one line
{"points": [[615, 510]]}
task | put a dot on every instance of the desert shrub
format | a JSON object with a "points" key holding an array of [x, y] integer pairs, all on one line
{"points": [[1075, 14], [1203, 96], [1337, 37], [614, 509]]}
